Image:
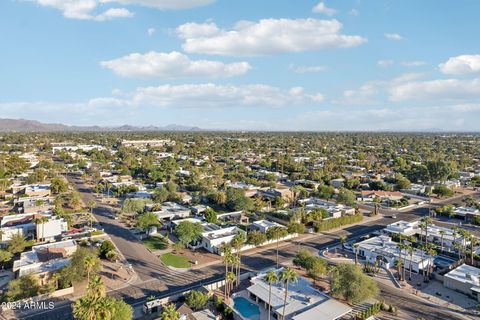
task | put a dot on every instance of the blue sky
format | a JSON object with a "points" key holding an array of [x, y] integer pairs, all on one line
{"points": [[260, 65]]}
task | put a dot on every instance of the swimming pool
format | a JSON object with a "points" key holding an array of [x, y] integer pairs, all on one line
{"points": [[247, 309], [442, 262]]}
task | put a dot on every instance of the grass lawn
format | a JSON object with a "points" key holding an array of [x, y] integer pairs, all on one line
{"points": [[175, 261], [155, 243]]}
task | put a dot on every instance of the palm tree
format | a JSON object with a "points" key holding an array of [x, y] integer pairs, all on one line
{"points": [[410, 250], [425, 222], [398, 264], [404, 247], [40, 221], [227, 253], [230, 279], [276, 233], [169, 312], [287, 275], [442, 234], [355, 247], [271, 278], [89, 262], [473, 242], [96, 287], [237, 243], [85, 308], [91, 204]]}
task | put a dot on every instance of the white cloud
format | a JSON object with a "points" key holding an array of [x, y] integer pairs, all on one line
{"points": [[113, 13], [84, 9], [210, 95], [393, 36], [415, 63], [461, 65], [384, 63], [322, 8], [165, 4], [364, 95], [268, 36], [172, 65], [151, 31], [88, 9], [307, 69], [449, 89]]}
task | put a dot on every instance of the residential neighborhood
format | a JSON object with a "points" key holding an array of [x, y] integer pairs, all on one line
{"points": [[239, 160]]}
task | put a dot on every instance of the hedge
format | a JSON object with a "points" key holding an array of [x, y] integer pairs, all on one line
{"points": [[328, 224]]}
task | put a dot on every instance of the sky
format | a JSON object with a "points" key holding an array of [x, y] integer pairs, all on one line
{"points": [[282, 65]]}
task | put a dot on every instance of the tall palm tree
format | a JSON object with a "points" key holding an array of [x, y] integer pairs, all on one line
{"points": [[355, 247], [473, 242], [230, 279], [276, 233], [237, 243], [425, 222], [96, 288], [442, 234], [40, 221], [169, 312], [271, 279], [227, 254], [89, 262], [410, 250], [287, 275]]}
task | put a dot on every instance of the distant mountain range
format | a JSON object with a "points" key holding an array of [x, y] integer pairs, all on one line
{"points": [[22, 125]]}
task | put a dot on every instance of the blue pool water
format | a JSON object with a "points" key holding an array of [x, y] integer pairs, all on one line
{"points": [[247, 309], [442, 262]]}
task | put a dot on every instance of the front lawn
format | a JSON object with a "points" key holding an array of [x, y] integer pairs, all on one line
{"points": [[175, 261], [155, 243]]}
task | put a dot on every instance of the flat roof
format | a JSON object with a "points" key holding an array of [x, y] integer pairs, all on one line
{"points": [[466, 274], [327, 310]]}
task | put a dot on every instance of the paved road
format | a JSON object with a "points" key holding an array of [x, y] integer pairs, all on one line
{"points": [[154, 279]]}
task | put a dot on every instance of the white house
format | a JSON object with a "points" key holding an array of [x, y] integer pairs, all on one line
{"points": [[45, 258], [334, 210], [264, 225], [403, 227], [385, 252], [172, 210], [304, 302], [465, 279], [23, 224], [215, 237]]}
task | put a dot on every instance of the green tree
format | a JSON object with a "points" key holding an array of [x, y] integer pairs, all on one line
{"points": [[210, 215], [5, 257], [18, 243], [134, 206], [256, 238], [350, 283], [21, 288], [346, 197], [169, 312], [58, 185], [197, 300], [188, 232], [147, 220], [236, 200]]}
